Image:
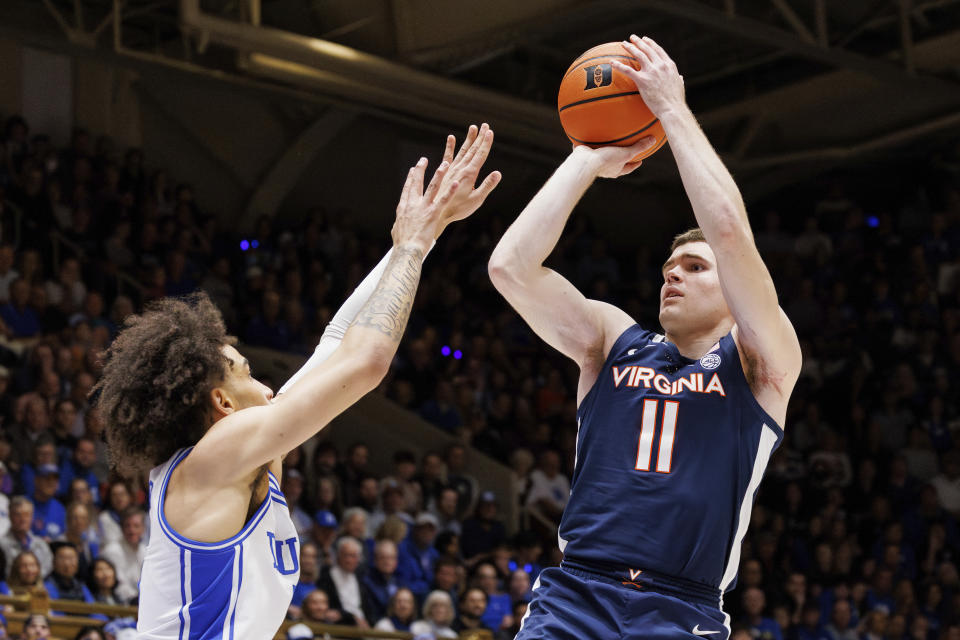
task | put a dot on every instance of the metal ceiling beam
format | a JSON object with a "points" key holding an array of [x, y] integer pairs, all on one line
{"points": [[804, 94], [355, 73], [906, 35], [285, 172], [902, 136], [820, 17], [794, 21], [719, 20], [757, 31]]}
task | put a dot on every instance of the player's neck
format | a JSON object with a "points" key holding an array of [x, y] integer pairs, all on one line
{"points": [[695, 345]]}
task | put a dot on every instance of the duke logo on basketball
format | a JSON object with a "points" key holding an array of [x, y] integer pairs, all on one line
{"points": [[598, 75], [279, 562]]}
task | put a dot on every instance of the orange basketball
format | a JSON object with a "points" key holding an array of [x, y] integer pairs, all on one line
{"points": [[600, 106]]}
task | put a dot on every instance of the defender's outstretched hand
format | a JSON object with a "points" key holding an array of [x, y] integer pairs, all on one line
{"points": [[658, 81], [420, 212], [465, 168]]}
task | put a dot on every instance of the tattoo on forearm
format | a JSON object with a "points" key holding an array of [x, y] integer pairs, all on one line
{"points": [[388, 308]]}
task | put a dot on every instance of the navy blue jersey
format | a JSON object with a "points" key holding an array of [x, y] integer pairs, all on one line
{"points": [[670, 452]]}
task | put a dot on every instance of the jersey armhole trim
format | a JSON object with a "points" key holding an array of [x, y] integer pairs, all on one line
{"points": [[195, 545], [742, 377], [614, 350]]}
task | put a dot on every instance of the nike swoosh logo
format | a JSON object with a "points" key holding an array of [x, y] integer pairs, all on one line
{"points": [[698, 632]]}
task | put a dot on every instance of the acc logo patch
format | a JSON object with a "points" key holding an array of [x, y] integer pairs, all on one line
{"points": [[710, 361]]}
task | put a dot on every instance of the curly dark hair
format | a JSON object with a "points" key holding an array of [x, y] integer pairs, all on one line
{"points": [[157, 376]]}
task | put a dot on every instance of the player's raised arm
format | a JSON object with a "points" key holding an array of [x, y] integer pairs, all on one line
{"points": [[763, 332], [464, 168], [581, 329], [260, 434]]}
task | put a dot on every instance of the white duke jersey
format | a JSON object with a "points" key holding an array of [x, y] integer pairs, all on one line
{"points": [[238, 589]]}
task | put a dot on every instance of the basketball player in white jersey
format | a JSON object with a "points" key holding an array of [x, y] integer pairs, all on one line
{"points": [[180, 402]]}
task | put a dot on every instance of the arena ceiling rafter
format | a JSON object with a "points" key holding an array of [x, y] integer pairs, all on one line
{"points": [[870, 74]]}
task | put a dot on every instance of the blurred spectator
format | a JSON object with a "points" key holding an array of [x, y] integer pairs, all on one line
{"points": [[876, 623], [455, 457], [440, 409], [68, 290], [36, 627], [316, 608], [518, 612], [90, 633], [119, 499], [79, 465], [61, 429], [327, 496], [103, 582], [549, 488], [437, 617], [7, 271], [519, 586], [483, 531], [20, 538], [446, 577], [401, 612], [25, 575], [79, 533], [292, 487], [19, 319], [754, 606], [839, 628], [49, 514], [24, 437], [417, 555], [473, 603], [341, 583], [497, 613], [432, 478], [445, 511], [404, 470], [43, 454], [947, 483], [353, 471], [381, 580], [63, 583], [324, 535], [127, 554], [309, 572], [392, 503]]}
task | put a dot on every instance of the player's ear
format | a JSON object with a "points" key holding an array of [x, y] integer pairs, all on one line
{"points": [[223, 403]]}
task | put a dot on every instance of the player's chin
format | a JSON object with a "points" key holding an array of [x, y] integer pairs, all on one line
{"points": [[669, 313]]}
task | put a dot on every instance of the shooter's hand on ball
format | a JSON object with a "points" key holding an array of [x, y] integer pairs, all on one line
{"points": [[658, 81], [613, 162]]}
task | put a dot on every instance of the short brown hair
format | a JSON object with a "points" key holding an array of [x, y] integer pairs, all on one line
{"points": [[690, 235]]}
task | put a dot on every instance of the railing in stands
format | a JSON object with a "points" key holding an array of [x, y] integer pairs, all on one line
{"points": [[65, 627]]}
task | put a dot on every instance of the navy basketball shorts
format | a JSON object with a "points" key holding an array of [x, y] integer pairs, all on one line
{"points": [[571, 604]]}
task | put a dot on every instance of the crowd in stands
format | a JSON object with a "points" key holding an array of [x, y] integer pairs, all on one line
{"points": [[854, 534]]}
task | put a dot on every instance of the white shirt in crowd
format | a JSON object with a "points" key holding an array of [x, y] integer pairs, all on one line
{"points": [[556, 489], [128, 562], [948, 492], [348, 588]]}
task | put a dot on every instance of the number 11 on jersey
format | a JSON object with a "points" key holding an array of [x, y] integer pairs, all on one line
{"points": [[648, 428]]}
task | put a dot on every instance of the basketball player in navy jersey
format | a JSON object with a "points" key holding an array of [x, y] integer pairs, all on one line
{"points": [[675, 429], [222, 560]]}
